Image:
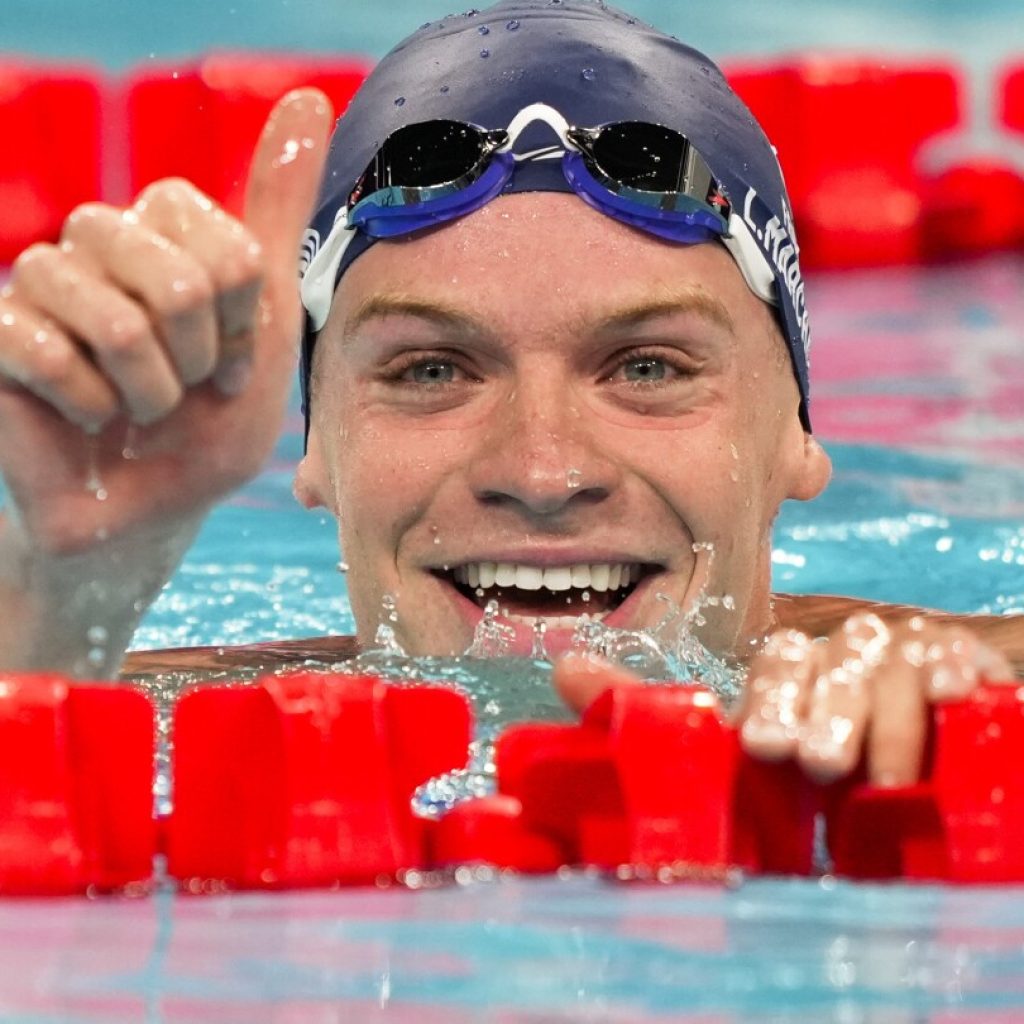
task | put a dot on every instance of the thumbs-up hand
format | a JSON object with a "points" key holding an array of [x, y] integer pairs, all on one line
{"points": [[145, 365]]}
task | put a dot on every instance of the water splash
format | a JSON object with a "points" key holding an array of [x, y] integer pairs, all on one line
{"points": [[539, 651], [385, 638], [492, 638]]}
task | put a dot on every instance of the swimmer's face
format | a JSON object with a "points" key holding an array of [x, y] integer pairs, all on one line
{"points": [[540, 392]]}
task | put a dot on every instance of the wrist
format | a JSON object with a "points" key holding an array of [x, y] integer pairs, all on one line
{"points": [[76, 613]]}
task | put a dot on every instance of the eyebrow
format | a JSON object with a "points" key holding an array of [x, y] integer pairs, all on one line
{"points": [[696, 302], [631, 317], [380, 306]]}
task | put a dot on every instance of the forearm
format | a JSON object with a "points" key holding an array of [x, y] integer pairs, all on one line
{"points": [[76, 614]]}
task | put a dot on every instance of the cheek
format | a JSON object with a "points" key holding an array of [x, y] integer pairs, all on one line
{"points": [[386, 476]]}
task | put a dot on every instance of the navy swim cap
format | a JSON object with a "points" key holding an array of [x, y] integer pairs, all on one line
{"points": [[595, 65]]}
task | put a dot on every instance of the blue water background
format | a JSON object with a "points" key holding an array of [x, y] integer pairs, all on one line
{"points": [[117, 33]]}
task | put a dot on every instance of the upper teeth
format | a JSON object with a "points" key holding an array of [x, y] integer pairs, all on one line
{"points": [[597, 577]]}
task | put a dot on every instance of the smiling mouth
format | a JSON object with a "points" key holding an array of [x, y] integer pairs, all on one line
{"points": [[529, 592]]}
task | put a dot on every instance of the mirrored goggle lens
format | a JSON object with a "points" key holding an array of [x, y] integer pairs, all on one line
{"points": [[422, 156], [649, 158]]}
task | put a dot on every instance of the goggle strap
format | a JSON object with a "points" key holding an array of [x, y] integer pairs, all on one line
{"points": [[751, 260], [317, 286]]}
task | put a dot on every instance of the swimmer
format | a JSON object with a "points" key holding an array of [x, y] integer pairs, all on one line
{"points": [[553, 340]]}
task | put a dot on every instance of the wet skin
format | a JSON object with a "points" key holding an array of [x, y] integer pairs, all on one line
{"points": [[539, 384]]}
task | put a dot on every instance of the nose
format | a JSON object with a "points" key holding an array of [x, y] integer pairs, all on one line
{"points": [[541, 457]]}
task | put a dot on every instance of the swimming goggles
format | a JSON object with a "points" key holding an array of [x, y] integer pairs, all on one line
{"points": [[426, 174]]}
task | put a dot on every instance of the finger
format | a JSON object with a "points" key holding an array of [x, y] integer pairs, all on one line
{"points": [[833, 733], [166, 279], [580, 680], [899, 724], [231, 257], [776, 693], [111, 325], [282, 188], [38, 356]]}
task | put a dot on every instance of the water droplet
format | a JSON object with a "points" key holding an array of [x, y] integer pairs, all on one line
{"points": [[484, 30], [588, 74], [96, 657], [512, 25], [573, 479], [539, 651], [342, 567], [400, 102], [97, 636], [485, 53]]}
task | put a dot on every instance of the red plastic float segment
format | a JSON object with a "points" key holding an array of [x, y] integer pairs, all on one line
{"points": [[76, 799], [491, 830], [46, 114], [307, 779], [849, 131], [1011, 98], [653, 777], [566, 782], [971, 208], [965, 822], [201, 121]]}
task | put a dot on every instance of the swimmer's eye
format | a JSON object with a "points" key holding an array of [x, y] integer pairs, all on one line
{"points": [[426, 370], [648, 368], [644, 370], [434, 371]]}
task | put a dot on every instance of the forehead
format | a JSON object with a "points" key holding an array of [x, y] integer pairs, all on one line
{"points": [[543, 258]]}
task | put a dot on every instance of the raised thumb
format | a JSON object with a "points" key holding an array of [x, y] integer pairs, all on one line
{"points": [[284, 178]]}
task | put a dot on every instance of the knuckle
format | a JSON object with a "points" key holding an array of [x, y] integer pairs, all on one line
{"points": [[36, 259], [86, 220], [172, 194], [52, 363], [242, 266], [185, 294], [129, 333]]}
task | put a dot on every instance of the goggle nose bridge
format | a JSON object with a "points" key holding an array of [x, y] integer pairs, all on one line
{"points": [[528, 117]]}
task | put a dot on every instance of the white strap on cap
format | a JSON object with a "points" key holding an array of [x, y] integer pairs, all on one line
{"points": [[751, 260], [321, 273]]}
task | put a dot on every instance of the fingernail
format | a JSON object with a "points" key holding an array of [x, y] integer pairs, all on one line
{"points": [[233, 376]]}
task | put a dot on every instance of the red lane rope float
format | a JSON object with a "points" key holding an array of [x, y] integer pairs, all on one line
{"points": [[306, 780], [201, 120], [50, 127], [849, 132], [76, 798]]}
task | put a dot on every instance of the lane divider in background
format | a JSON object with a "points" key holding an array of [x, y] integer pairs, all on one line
{"points": [[306, 780], [850, 131]]}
